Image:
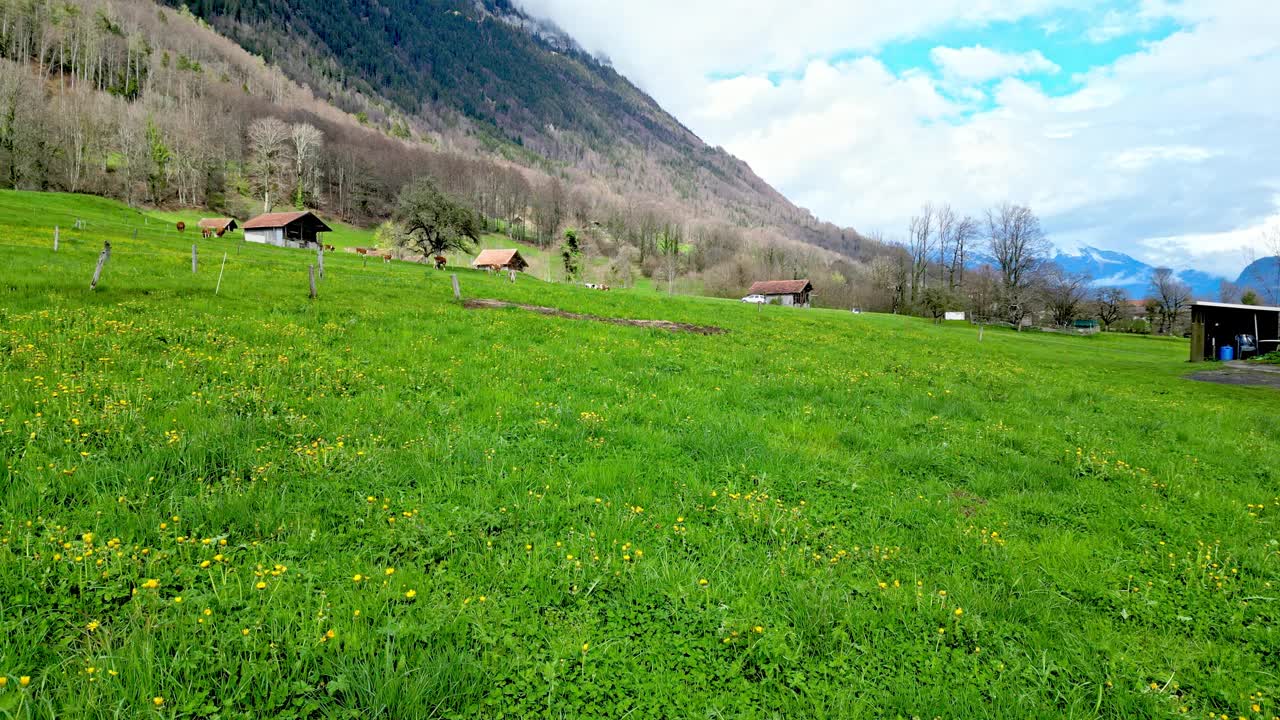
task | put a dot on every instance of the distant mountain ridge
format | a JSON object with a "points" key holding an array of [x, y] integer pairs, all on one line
{"points": [[1109, 268], [1262, 270]]}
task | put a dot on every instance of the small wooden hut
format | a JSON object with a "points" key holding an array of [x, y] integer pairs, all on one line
{"points": [[499, 260], [1246, 329], [286, 229], [784, 292], [218, 226]]}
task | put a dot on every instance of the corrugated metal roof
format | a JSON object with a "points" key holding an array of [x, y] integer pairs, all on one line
{"points": [[780, 287], [1234, 306]]}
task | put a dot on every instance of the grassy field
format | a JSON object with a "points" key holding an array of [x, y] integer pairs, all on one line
{"points": [[382, 504]]}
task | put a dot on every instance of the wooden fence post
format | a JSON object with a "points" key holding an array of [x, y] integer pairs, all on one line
{"points": [[55, 238], [102, 260], [512, 275], [194, 260], [457, 291], [135, 233], [320, 261], [224, 269], [311, 277]]}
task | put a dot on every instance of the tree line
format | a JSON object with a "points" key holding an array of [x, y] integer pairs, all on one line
{"points": [[999, 268]]}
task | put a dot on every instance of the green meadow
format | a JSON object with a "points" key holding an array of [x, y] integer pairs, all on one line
{"points": [[382, 504]]}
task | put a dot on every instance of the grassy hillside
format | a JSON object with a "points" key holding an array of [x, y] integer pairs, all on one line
{"points": [[382, 504]]}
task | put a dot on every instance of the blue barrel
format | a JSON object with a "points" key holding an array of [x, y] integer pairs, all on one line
{"points": [[1226, 353]]}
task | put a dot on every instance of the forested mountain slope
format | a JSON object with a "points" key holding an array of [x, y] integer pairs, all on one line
{"points": [[151, 105], [519, 87]]}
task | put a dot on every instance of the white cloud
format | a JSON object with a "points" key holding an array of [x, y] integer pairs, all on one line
{"points": [[1170, 147], [1144, 157], [1224, 253], [979, 64]]}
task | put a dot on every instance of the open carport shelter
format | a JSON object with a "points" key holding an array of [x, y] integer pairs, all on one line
{"points": [[1215, 325]]}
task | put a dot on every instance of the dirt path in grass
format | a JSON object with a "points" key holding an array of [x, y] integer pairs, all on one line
{"points": [[481, 304], [1239, 373]]}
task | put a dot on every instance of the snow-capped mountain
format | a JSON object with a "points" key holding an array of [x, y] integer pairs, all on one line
{"points": [[1115, 269]]}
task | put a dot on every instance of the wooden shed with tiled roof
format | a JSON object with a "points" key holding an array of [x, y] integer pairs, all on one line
{"points": [[785, 292], [286, 229], [499, 260], [218, 226]]}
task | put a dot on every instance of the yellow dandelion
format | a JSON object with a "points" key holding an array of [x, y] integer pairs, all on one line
{"points": [[157, 701], [261, 585], [92, 625], [3, 681], [703, 582], [585, 647], [959, 612], [391, 571], [244, 631], [357, 577], [411, 594], [25, 680]]}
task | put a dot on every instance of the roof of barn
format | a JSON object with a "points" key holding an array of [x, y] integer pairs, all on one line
{"points": [[780, 287]]}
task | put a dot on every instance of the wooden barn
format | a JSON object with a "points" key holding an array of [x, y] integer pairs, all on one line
{"points": [[217, 226], [499, 260], [1217, 325], [784, 292], [288, 229]]}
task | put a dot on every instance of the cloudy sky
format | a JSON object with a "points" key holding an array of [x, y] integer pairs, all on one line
{"points": [[1146, 126]]}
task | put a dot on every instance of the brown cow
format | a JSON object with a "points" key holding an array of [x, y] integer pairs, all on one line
{"points": [[362, 251], [386, 258], [328, 248], [182, 227], [441, 261]]}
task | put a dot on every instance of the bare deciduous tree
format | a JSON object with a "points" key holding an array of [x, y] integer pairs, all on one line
{"points": [[1064, 293], [955, 243], [920, 241], [1020, 248], [269, 157], [1111, 304], [1172, 298], [307, 141]]}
